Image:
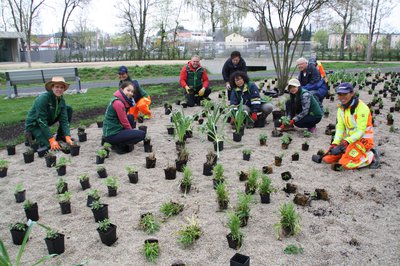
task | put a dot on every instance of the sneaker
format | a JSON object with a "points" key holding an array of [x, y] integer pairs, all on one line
{"points": [[375, 162], [313, 130]]}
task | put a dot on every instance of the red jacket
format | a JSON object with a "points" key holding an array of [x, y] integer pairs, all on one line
{"points": [[120, 108], [183, 75]]}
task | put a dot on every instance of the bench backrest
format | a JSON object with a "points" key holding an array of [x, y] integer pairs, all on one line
{"points": [[40, 76]]}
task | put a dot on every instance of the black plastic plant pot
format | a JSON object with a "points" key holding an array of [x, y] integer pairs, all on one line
{"points": [[170, 173], [276, 115], [102, 173], [100, 214], [100, 160], [179, 164], [3, 172], [295, 157], [148, 148], [290, 188], [75, 150], [267, 170], [133, 177], [42, 151], [263, 142], [11, 148], [20, 196], [143, 128], [248, 190], [99, 124], [85, 184], [286, 175], [150, 163], [246, 156], [64, 189], [28, 157], [233, 243], [151, 240], [112, 192], [243, 221], [220, 145], [55, 246], [33, 212], [207, 169], [305, 147], [237, 137], [90, 200], [278, 161], [50, 160], [170, 130], [185, 188], [82, 137], [110, 236], [265, 198], [240, 260], [18, 235], [284, 146], [223, 205], [260, 122], [62, 170], [65, 207], [189, 134]]}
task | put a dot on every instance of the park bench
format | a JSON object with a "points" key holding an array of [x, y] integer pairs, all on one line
{"points": [[34, 76]]}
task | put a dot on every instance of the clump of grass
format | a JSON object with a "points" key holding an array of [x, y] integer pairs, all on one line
{"points": [[189, 233], [289, 222], [149, 223], [171, 208]]}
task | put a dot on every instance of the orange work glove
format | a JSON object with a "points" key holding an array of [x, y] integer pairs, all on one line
{"points": [[54, 144], [69, 140]]}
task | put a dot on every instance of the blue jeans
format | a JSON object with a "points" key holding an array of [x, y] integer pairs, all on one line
{"points": [[126, 136]]}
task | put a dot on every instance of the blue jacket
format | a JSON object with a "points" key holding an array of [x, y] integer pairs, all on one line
{"points": [[249, 94], [311, 81], [229, 68]]}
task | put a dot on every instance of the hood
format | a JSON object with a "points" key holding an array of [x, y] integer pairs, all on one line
{"points": [[119, 95]]}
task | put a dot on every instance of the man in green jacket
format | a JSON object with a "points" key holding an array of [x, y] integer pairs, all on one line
{"points": [[49, 108]]}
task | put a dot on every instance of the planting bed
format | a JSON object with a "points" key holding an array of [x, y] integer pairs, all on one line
{"points": [[363, 206]]}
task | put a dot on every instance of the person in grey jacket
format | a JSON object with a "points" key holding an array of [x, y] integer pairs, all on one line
{"points": [[232, 64]]}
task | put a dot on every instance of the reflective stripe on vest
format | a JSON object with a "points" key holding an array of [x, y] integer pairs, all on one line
{"points": [[351, 126]]}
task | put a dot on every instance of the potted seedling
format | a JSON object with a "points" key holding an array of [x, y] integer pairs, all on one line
{"points": [[65, 149], [170, 172], [267, 169], [100, 210], [189, 233], [147, 146], [263, 139], [243, 176], [31, 210], [61, 186], [132, 174], [101, 156], [285, 121], [181, 161], [107, 146], [285, 140], [84, 181], [99, 121], [112, 185], [4, 167], [278, 159], [321, 194], [50, 158], [61, 166], [170, 129], [54, 242], [186, 181], [65, 202], [218, 172], [265, 189], [171, 208], [235, 236], [93, 195], [29, 155], [19, 193], [101, 171], [326, 112], [211, 160], [243, 209], [389, 119], [305, 146], [75, 148], [252, 181], [238, 116], [151, 161], [142, 127], [151, 249], [286, 176], [82, 135], [246, 154], [290, 188], [295, 156], [10, 149], [307, 134], [289, 223], [148, 223], [240, 260], [107, 232], [222, 196], [18, 231]]}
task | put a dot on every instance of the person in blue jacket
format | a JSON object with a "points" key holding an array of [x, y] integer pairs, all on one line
{"points": [[232, 64], [310, 79]]}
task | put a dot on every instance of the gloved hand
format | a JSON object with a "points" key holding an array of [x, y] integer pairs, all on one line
{"points": [[339, 148], [291, 122], [228, 86], [68, 140], [54, 144], [201, 91], [254, 116], [282, 126], [187, 89], [344, 143]]}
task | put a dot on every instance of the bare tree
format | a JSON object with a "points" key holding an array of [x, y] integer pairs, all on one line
{"points": [[24, 13], [69, 7], [346, 9], [134, 14], [282, 22]]}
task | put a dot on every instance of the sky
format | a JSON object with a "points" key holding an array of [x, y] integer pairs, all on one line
{"points": [[102, 14]]}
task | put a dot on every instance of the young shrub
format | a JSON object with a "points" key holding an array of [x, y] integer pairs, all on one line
{"points": [[263, 137], [289, 222], [285, 139], [187, 176], [131, 169], [52, 234], [104, 225], [234, 227], [94, 193], [243, 206], [60, 185], [247, 151], [62, 162], [171, 208], [102, 153], [210, 157], [65, 197], [83, 177], [218, 172], [151, 250], [96, 205], [18, 188], [307, 134], [222, 196], [4, 164], [252, 181], [111, 182], [149, 224], [189, 233], [293, 249], [265, 186]]}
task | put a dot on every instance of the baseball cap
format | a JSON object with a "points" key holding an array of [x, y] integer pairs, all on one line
{"points": [[294, 82], [122, 69], [344, 87]]}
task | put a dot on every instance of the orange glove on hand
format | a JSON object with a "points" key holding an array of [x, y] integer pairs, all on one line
{"points": [[201, 92], [68, 140], [54, 144]]}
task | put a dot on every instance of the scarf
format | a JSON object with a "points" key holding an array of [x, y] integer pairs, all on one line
{"points": [[130, 102]]}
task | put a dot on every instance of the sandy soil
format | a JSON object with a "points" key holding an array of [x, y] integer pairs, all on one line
{"points": [[359, 225]]}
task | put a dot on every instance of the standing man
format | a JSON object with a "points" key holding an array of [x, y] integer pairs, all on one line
{"points": [[140, 96], [353, 144], [233, 64], [49, 108], [194, 80], [310, 79]]}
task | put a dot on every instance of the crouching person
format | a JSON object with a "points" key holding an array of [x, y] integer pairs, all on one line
{"points": [[353, 143], [47, 109], [117, 125]]}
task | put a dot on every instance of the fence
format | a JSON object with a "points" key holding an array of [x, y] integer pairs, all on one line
{"points": [[377, 55]]}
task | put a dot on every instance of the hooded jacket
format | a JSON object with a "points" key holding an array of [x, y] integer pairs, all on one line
{"points": [[195, 78], [229, 68], [115, 118]]}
